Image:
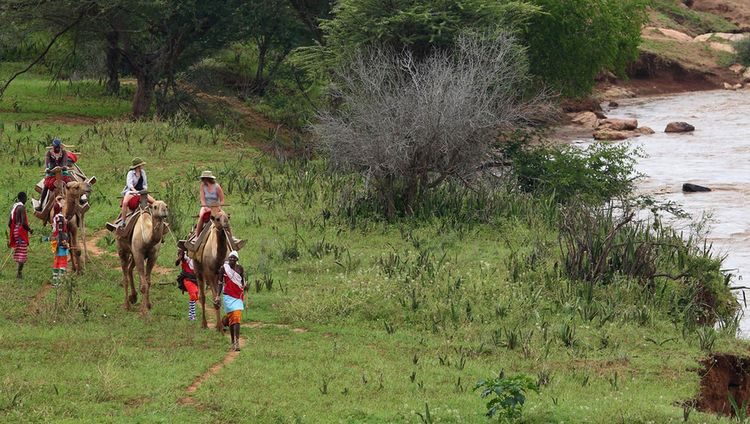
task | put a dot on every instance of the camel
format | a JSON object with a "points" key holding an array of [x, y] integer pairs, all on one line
{"points": [[74, 212], [208, 259], [141, 250]]}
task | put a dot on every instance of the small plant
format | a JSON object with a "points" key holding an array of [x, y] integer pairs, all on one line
{"points": [[707, 338], [426, 418], [740, 412], [508, 394], [567, 334]]}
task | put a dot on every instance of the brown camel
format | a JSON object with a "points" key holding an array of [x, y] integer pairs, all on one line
{"points": [[140, 250], [208, 258], [74, 213]]}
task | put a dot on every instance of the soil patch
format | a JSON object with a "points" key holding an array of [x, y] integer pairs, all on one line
{"points": [[724, 376], [71, 120], [91, 246], [215, 368], [735, 11]]}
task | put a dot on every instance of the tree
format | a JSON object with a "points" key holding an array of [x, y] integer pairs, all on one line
{"points": [[275, 28], [154, 39], [157, 39], [310, 13], [573, 41], [420, 26], [407, 125]]}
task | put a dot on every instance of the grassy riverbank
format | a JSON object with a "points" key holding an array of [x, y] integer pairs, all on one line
{"points": [[375, 320]]}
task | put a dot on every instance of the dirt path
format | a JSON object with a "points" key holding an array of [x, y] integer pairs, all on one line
{"points": [[228, 359], [34, 305], [91, 246], [215, 368]]}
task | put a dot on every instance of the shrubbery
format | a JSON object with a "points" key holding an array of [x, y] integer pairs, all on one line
{"points": [[594, 174], [743, 51]]}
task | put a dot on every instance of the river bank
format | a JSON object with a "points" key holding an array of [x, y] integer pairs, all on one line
{"points": [[714, 155]]}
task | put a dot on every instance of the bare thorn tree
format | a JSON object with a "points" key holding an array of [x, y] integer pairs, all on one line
{"points": [[407, 126]]}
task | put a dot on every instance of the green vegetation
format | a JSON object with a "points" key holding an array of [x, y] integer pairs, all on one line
{"points": [[669, 14], [743, 51], [603, 34], [400, 319]]}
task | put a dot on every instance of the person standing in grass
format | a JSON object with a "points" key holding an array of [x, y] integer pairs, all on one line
{"points": [[232, 277], [59, 242], [19, 231], [186, 281]]}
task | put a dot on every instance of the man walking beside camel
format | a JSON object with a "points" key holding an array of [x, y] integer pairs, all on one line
{"points": [[232, 276]]}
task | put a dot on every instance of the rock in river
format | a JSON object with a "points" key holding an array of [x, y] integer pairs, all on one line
{"points": [[619, 124], [694, 188], [679, 127]]}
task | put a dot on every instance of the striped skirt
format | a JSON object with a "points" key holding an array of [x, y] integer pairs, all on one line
{"points": [[21, 252]]}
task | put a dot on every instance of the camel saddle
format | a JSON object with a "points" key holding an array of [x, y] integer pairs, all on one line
{"points": [[127, 230]]}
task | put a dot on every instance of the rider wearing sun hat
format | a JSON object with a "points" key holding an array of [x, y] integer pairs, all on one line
{"points": [[211, 196], [56, 157], [135, 182]]}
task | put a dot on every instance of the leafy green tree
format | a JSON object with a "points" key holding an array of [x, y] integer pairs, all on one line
{"points": [[573, 41], [417, 25], [154, 39], [275, 28]]}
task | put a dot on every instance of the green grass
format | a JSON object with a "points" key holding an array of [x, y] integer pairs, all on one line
{"points": [[33, 97], [451, 292], [668, 14]]}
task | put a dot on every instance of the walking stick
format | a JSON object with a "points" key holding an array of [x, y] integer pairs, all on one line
{"points": [[6, 260]]}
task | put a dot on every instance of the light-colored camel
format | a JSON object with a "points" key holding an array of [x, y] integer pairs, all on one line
{"points": [[74, 213], [141, 250], [208, 258]]}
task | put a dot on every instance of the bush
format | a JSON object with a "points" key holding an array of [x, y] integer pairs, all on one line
{"points": [[507, 394], [418, 26], [743, 51], [595, 174], [407, 126], [573, 41]]}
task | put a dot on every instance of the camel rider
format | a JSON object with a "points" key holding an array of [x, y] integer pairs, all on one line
{"points": [[233, 287], [135, 182], [211, 196], [56, 157]]}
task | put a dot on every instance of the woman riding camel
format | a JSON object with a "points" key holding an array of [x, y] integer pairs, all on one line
{"points": [[212, 196], [135, 182]]}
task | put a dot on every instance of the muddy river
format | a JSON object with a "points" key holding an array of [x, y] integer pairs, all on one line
{"points": [[716, 155]]}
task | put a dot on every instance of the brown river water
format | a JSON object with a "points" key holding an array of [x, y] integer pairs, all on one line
{"points": [[716, 155]]}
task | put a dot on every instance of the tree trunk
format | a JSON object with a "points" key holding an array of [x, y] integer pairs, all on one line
{"points": [[113, 63], [144, 93]]}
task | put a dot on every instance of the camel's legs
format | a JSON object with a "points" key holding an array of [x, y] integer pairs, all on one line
{"points": [[217, 304], [150, 263], [124, 264], [140, 266], [202, 286], [133, 293]]}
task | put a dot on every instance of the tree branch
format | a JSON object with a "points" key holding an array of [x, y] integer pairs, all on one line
{"points": [[42, 55]]}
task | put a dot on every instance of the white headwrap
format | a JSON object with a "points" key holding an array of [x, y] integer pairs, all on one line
{"points": [[233, 253]]}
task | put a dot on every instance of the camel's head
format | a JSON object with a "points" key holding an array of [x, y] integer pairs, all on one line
{"points": [[159, 210], [221, 220], [78, 188]]}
